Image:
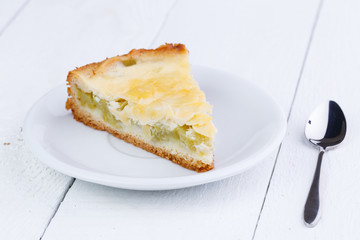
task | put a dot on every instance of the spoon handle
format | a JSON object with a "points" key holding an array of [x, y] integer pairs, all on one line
{"points": [[312, 205]]}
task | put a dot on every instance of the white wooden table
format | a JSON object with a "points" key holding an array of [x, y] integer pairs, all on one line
{"points": [[302, 52]]}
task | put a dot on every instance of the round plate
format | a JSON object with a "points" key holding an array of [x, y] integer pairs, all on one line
{"points": [[250, 126]]}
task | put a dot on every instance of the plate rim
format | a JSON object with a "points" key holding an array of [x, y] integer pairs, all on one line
{"points": [[164, 183]]}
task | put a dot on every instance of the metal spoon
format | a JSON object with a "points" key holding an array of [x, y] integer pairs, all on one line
{"points": [[325, 128]]}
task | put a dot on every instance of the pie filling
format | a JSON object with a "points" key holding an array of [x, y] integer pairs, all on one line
{"points": [[188, 139]]}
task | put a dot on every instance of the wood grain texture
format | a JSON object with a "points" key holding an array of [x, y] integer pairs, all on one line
{"points": [[332, 72], [9, 10], [30, 192], [44, 42], [262, 42]]}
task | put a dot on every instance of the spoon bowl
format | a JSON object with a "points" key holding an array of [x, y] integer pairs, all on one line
{"points": [[326, 127]]}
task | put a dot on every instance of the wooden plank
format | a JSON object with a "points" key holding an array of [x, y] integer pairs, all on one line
{"points": [[44, 42], [331, 72], [260, 41], [9, 11], [263, 42]]}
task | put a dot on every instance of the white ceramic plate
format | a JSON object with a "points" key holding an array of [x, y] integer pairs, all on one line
{"points": [[250, 126]]}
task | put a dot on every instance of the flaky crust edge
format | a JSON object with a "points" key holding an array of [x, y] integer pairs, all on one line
{"points": [[99, 67], [87, 119]]}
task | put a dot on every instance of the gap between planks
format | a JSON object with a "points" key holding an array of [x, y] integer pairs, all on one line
{"points": [[58, 206], [12, 19], [313, 29], [163, 23], [74, 179]]}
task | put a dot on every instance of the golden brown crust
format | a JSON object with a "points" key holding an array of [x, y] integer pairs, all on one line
{"points": [[83, 116], [86, 118], [167, 48]]}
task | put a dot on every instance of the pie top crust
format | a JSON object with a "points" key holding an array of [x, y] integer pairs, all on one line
{"points": [[157, 85]]}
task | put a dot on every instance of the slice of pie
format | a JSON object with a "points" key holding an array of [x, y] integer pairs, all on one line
{"points": [[147, 98]]}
